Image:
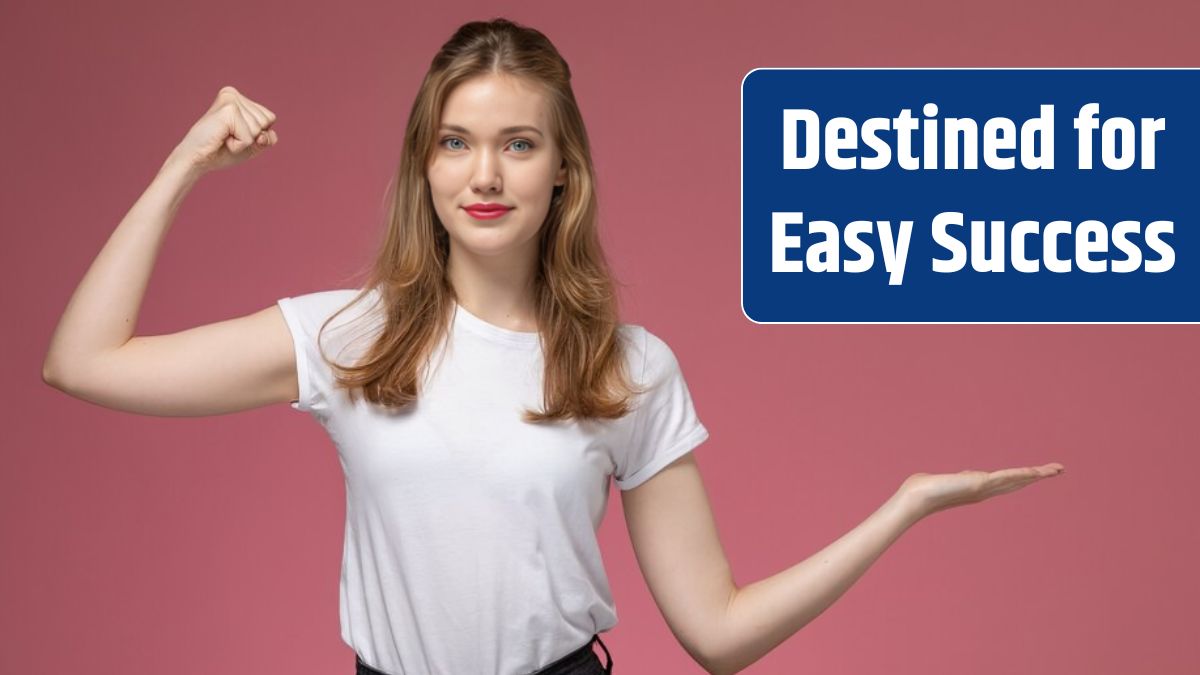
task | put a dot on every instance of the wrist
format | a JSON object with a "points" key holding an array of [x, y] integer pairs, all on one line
{"points": [[180, 169], [909, 506]]}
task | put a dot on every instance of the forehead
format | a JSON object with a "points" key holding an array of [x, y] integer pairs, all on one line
{"points": [[487, 103]]}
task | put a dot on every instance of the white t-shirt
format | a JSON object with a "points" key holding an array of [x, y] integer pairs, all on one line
{"points": [[470, 542]]}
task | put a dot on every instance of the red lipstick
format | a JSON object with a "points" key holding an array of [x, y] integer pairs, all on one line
{"points": [[486, 210]]}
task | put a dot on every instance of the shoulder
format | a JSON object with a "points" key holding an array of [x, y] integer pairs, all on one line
{"points": [[650, 357], [309, 315], [321, 302], [320, 305]]}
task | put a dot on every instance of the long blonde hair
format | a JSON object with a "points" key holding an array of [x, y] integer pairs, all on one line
{"points": [[579, 330]]}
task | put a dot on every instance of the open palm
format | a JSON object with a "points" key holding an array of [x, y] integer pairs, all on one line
{"points": [[937, 492]]}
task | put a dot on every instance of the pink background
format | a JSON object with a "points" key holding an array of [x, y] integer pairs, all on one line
{"points": [[136, 544]]}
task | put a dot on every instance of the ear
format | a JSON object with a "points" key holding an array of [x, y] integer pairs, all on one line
{"points": [[561, 177]]}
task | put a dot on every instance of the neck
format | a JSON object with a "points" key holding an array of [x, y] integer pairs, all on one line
{"points": [[497, 289]]}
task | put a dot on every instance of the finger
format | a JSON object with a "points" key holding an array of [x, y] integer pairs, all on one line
{"points": [[264, 121], [253, 109], [263, 139], [1015, 479], [266, 117], [1007, 480], [1052, 466], [1014, 474], [1010, 485], [1004, 489], [223, 95], [241, 133], [257, 127], [1047, 470], [252, 122]]}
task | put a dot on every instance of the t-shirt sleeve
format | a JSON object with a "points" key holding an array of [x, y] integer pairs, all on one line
{"points": [[305, 315], [664, 421]]}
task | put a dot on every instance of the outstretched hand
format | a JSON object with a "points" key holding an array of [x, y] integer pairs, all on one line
{"points": [[937, 492]]}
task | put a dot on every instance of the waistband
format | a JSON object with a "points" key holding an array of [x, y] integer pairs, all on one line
{"points": [[562, 665], [578, 657]]}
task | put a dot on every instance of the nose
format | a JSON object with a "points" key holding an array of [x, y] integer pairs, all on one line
{"points": [[485, 174]]}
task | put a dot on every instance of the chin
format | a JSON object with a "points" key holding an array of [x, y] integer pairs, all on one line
{"points": [[487, 244]]}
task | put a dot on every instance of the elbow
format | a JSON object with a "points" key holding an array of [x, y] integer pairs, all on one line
{"points": [[714, 665], [708, 655], [51, 367], [53, 374], [49, 375], [713, 657], [717, 655]]}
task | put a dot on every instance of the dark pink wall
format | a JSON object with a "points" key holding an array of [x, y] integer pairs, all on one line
{"points": [[150, 545]]}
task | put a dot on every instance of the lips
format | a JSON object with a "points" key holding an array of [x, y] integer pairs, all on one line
{"points": [[487, 210]]}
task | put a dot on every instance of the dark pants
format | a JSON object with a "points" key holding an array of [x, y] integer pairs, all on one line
{"points": [[582, 661]]}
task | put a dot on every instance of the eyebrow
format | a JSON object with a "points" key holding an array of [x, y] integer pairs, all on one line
{"points": [[505, 130]]}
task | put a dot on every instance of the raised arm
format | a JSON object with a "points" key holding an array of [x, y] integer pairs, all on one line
{"points": [[218, 368], [725, 628]]}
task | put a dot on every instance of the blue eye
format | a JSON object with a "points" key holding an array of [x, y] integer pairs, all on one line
{"points": [[454, 139]]}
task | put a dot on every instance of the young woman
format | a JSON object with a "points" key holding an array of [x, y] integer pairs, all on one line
{"points": [[481, 392]]}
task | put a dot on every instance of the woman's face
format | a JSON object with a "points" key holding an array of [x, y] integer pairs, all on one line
{"points": [[495, 147]]}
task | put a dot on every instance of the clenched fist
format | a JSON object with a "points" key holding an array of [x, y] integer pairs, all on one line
{"points": [[233, 130]]}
